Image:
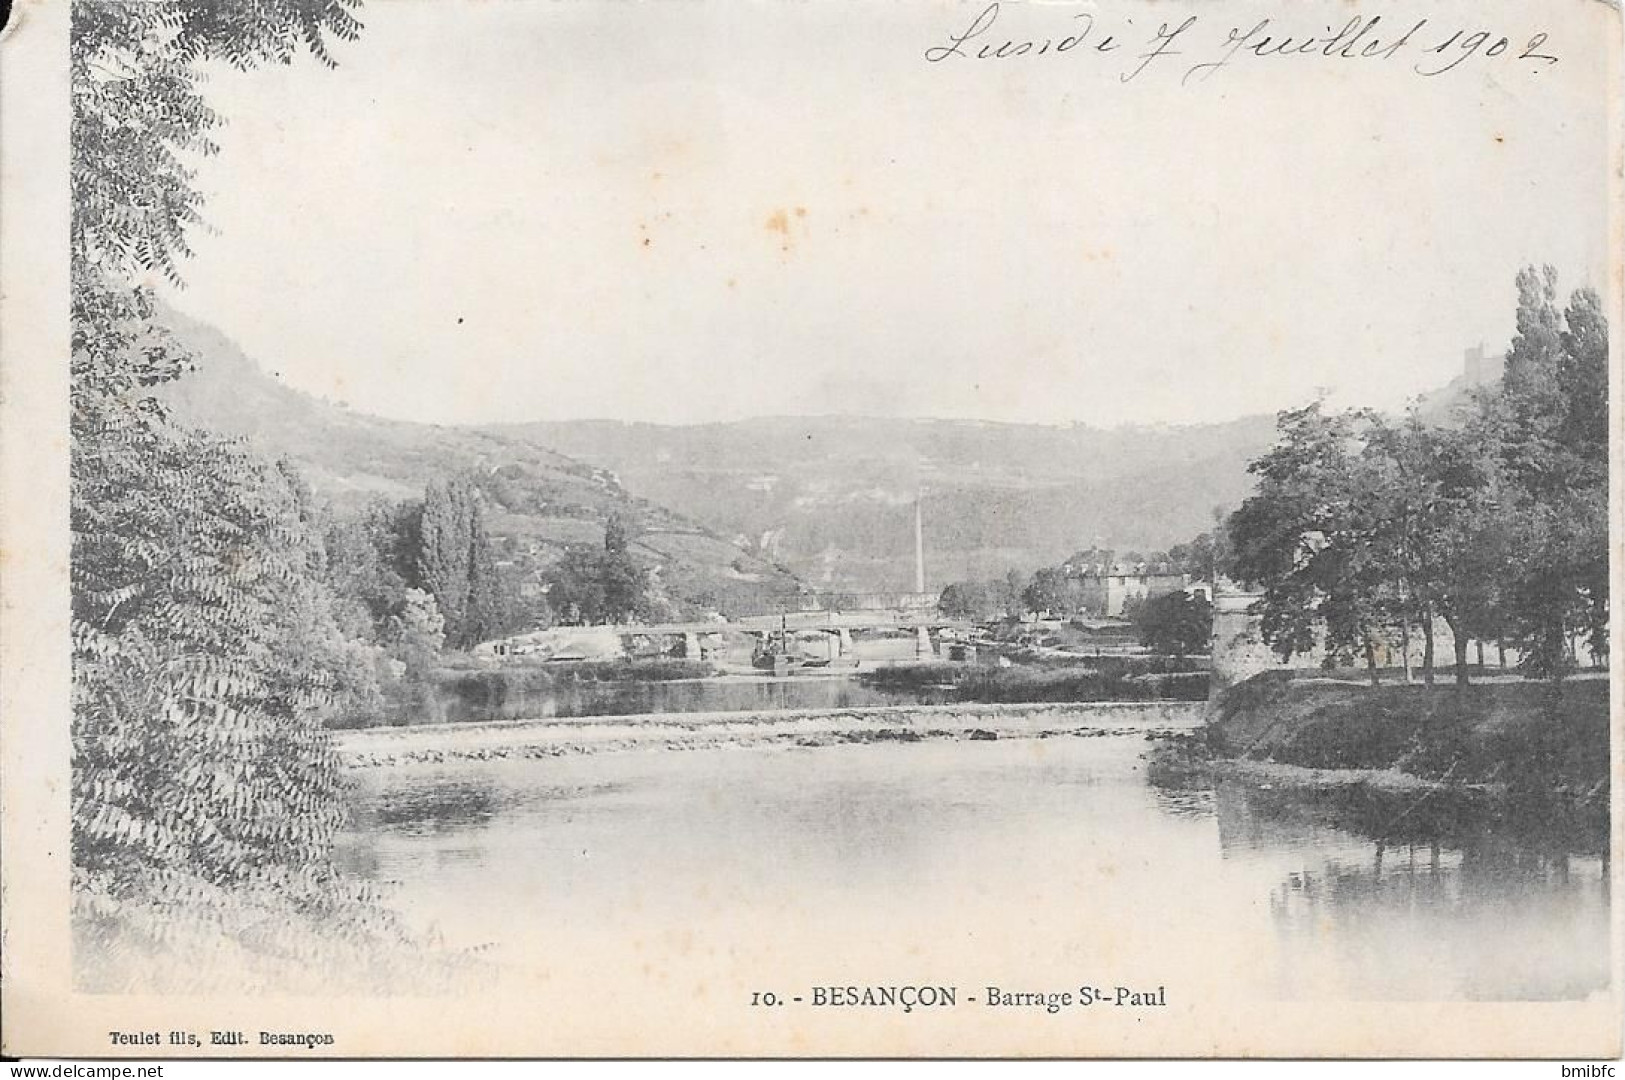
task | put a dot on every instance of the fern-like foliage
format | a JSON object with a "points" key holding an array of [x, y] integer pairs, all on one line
{"points": [[206, 791], [139, 114], [205, 657]]}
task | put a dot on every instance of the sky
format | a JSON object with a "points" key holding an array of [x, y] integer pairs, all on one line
{"points": [[501, 210]]}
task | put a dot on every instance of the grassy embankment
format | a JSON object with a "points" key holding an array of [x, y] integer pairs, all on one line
{"points": [[1100, 679], [1517, 740], [1521, 759]]}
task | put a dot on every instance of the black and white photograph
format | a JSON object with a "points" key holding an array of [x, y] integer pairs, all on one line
{"points": [[929, 529]]}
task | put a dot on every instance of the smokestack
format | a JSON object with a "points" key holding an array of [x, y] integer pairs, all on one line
{"points": [[919, 548]]}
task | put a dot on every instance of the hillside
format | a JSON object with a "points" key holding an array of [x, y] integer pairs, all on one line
{"points": [[832, 497], [543, 499], [735, 512]]}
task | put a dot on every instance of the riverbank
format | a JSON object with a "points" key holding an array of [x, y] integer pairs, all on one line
{"points": [[1532, 756], [1110, 678], [1529, 735], [534, 690], [379, 747]]}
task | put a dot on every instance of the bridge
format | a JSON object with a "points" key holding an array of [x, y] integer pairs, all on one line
{"points": [[699, 639]]}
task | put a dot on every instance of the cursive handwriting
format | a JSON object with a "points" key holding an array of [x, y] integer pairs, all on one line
{"points": [[1199, 50], [1162, 45], [1359, 37], [984, 22]]}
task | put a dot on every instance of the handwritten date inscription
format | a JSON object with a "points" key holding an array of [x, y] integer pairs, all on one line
{"points": [[1197, 51]]}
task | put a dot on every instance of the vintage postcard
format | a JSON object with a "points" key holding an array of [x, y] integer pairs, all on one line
{"points": [[571, 528]]}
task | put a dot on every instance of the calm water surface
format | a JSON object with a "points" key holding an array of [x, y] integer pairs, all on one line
{"points": [[1048, 862], [731, 694]]}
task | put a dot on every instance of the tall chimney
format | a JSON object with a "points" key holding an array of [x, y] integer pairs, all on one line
{"points": [[919, 548]]}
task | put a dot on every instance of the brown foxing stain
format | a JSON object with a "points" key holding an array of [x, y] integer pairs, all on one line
{"points": [[779, 221]]}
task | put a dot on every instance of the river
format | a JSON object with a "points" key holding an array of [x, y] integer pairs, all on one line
{"points": [[1044, 862], [734, 693]]}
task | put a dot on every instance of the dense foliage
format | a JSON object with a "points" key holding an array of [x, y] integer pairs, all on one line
{"points": [[984, 601], [602, 585], [206, 655], [1495, 523], [1175, 624], [1108, 679], [454, 561], [204, 642], [209, 646]]}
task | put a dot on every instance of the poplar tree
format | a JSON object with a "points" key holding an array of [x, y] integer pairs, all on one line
{"points": [[445, 559]]}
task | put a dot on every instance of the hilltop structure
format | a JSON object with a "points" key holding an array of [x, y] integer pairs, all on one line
{"points": [[1480, 367]]}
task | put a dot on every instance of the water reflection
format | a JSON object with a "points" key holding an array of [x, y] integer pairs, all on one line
{"points": [[733, 694], [1055, 857], [1430, 896]]}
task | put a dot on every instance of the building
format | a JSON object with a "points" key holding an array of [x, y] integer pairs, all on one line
{"points": [[1480, 367], [1108, 590]]}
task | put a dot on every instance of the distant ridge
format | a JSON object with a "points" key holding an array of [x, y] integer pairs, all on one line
{"points": [[545, 500], [832, 497], [735, 512]]}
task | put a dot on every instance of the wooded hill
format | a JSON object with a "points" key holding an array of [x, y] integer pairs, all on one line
{"points": [[541, 501]]}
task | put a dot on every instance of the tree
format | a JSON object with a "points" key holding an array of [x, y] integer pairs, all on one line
{"points": [[206, 658], [493, 595], [1548, 434], [1204, 557], [965, 600], [1437, 533], [367, 562], [603, 585], [445, 550], [1050, 590], [1305, 538], [574, 589], [1014, 584], [206, 651], [1497, 525], [456, 563], [416, 634], [980, 601], [1175, 624], [138, 113], [624, 583]]}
